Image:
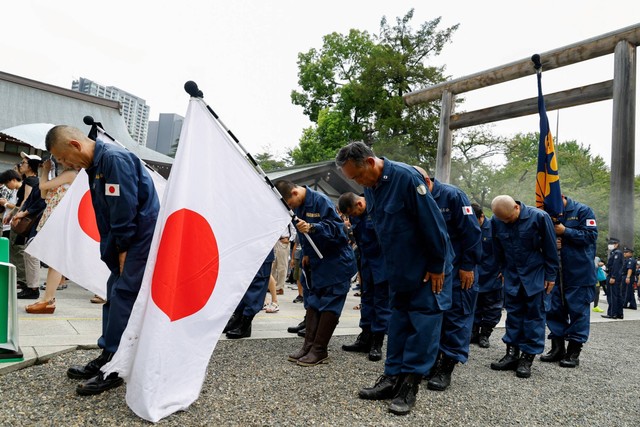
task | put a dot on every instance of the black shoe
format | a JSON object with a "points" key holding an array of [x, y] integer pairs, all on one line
{"points": [[29, 293], [483, 338], [509, 361], [441, 378], [375, 353], [298, 299], [302, 332], [405, 399], [298, 328], [524, 365], [607, 316], [362, 343], [556, 353], [98, 384], [572, 358], [243, 330], [384, 388], [234, 322], [91, 369]]}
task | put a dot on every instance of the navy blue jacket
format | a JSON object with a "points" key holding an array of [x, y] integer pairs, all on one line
{"points": [[338, 264], [124, 199], [526, 250], [411, 229], [488, 269], [462, 226], [615, 266], [578, 245], [371, 258]]}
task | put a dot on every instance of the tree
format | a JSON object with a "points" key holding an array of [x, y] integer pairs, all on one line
{"points": [[267, 162], [361, 79]]}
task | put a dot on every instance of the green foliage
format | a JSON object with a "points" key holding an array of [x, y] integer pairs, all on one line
{"points": [[361, 79], [267, 162]]}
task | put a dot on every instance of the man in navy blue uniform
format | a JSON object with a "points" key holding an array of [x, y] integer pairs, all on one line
{"points": [[490, 296], [615, 274], [374, 300], [239, 325], [629, 275], [464, 233], [126, 206], [418, 256], [524, 243], [330, 277], [569, 316]]}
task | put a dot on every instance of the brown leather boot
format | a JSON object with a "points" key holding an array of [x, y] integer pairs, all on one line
{"points": [[318, 353], [311, 324]]}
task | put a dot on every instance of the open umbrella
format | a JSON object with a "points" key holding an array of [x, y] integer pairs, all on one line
{"points": [[32, 133]]}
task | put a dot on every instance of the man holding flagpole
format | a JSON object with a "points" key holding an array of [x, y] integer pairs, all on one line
{"points": [[126, 207]]}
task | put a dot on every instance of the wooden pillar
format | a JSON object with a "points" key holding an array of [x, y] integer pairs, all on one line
{"points": [[443, 156], [623, 144]]}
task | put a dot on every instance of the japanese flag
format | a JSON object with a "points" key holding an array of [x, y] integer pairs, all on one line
{"points": [[467, 210], [207, 247], [591, 222], [70, 242]]}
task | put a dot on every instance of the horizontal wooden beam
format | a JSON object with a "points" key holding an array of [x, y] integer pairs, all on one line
{"points": [[553, 101], [567, 55]]}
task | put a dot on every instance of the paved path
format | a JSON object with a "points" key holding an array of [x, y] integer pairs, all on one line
{"points": [[77, 324]]}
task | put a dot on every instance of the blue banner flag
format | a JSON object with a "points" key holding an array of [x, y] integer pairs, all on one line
{"points": [[548, 194]]}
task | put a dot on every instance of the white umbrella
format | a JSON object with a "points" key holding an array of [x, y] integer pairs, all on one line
{"points": [[32, 134]]}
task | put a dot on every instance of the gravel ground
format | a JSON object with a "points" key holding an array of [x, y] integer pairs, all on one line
{"points": [[251, 383]]}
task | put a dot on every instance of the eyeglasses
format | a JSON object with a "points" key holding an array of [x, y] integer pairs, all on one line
{"points": [[24, 162]]}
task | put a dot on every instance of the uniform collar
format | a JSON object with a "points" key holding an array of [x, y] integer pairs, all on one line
{"points": [[525, 211], [98, 152], [308, 197], [437, 186], [387, 170]]}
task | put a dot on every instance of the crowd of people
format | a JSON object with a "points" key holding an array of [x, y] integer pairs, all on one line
{"points": [[435, 273]]}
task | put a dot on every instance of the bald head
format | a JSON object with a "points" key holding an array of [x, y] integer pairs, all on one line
{"points": [[505, 208], [70, 146]]}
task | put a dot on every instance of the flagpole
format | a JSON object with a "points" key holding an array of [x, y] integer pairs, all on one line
{"points": [[192, 89], [537, 65], [89, 121]]}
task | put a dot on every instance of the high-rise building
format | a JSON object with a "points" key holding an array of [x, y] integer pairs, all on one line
{"points": [[164, 134], [134, 110]]}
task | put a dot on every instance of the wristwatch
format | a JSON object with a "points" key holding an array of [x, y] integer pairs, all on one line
{"points": [[312, 228]]}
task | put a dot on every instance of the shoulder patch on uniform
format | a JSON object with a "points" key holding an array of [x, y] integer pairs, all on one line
{"points": [[421, 189], [466, 210], [111, 189], [591, 223]]}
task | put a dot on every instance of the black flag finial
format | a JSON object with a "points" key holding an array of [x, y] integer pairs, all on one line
{"points": [[191, 88], [536, 62]]}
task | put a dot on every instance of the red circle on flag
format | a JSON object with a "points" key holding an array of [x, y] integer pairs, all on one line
{"points": [[112, 189], [87, 217], [187, 265]]}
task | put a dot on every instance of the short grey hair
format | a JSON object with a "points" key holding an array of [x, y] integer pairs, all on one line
{"points": [[356, 151]]}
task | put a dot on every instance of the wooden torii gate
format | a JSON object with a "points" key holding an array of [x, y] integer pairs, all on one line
{"points": [[622, 89]]}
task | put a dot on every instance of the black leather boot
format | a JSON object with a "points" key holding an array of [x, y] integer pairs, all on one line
{"points": [[441, 378], [234, 322], [375, 353], [362, 343], [384, 388], [298, 328], [475, 334], [99, 384], [405, 399], [524, 365], [243, 330], [509, 361], [557, 351], [485, 333], [91, 369], [572, 357], [312, 318], [319, 352]]}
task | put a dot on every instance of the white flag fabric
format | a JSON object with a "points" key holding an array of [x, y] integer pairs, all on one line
{"points": [[70, 242], [218, 222]]}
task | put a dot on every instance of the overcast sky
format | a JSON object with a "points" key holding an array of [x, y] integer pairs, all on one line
{"points": [[243, 54]]}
